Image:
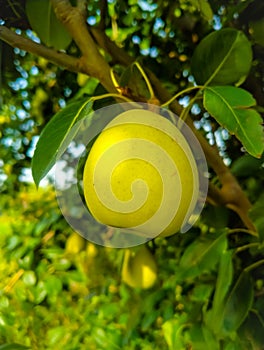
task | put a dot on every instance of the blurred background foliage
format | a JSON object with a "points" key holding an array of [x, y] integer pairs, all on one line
{"points": [[53, 294]]}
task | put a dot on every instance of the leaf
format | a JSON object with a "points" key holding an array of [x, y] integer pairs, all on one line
{"points": [[53, 137], [234, 345], [216, 217], [247, 165], [227, 316], [206, 10], [230, 106], [256, 30], [172, 331], [44, 22], [13, 346], [256, 214], [204, 7], [132, 80], [55, 335], [238, 303], [202, 338], [224, 279], [223, 57], [201, 255], [210, 339], [251, 331], [213, 317]]}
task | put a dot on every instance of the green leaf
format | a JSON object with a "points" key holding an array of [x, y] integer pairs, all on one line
{"points": [[201, 255], [29, 278], [53, 136], [206, 10], [227, 316], [251, 331], [216, 217], [230, 106], [132, 79], [44, 22], [201, 292], [223, 57], [224, 279], [55, 335], [13, 346], [210, 339], [204, 7], [213, 317], [247, 165], [256, 214], [53, 285], [172, 330], [257, 30], [202, 338], [238, 303], [233, 345]]}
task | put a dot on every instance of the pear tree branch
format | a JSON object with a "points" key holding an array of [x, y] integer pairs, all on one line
{"points": [[59, 58], [91, 61]]}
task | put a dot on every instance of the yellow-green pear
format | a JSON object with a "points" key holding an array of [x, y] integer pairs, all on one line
{"points": [[141, 174], [75, 243], [139, 268]]}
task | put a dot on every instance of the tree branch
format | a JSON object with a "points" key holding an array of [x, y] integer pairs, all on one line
{"points": [[61, 59], [103, 14], [117, 53], [92, 62]]}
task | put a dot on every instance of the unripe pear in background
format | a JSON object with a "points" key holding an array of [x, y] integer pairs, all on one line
{"points": [[75, 243], [139, 268]]}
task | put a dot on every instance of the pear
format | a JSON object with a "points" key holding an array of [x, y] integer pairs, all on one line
{"points": [[139, 268], [75, 243], [141, 174]]}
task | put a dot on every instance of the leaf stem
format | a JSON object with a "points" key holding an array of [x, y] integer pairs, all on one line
{"points": [[254, 266], [150, 89], [167, 103], [117, 96], [245, 247], [244, 230], [112, 74]]}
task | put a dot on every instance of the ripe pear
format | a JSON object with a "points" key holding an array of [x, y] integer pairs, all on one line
{"points": [[141, 174], [139, 268]]}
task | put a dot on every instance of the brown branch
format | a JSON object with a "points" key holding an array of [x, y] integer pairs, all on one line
{"points": [[103, 14], [61, 59], [74, 20], [117, 53], [82, 6]]}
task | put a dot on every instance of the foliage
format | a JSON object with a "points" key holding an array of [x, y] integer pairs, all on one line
{"points": [[205, 56]]}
